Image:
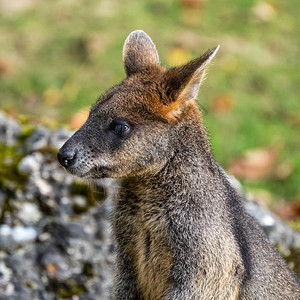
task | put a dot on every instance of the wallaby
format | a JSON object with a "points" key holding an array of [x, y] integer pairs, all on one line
{"points": [[180, 229]]}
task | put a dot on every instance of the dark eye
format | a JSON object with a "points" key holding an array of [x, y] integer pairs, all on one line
{"points": [[119, 128]]}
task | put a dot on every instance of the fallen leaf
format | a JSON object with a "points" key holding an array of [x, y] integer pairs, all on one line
{"points": [[51, 268], [222, 104], [78, 119], [254, 164], [193, 3], [287, 211], [4, 67]]}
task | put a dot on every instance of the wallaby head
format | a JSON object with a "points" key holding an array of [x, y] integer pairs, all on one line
{"points": [[130, 129]]}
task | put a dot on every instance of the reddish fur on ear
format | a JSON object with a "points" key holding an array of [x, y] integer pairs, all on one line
{"points": [[182, 83], [173, 111]]}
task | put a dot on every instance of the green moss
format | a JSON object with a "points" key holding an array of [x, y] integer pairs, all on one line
{"points": [[295, 224], [6, 208], [27, 130], [293, 260], [70, 288], [79, 188], [93, 193], [96, 194], [9, 160], [10, 178], [87, 269], [78, 208]]}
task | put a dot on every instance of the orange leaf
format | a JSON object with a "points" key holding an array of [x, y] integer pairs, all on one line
{"points": [[254, 164], [78, 119], [51, 268], [287, 211], [222, 104]]}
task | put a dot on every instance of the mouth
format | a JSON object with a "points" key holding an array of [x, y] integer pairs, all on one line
{"points": [[95, 172]]}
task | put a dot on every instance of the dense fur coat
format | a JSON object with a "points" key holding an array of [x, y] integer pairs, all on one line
{"points": [[181, 231]]}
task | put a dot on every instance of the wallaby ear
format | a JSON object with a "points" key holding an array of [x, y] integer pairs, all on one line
{"points": [[139, 52], [182, 83]]}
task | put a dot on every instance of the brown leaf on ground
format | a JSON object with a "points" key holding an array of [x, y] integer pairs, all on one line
{"points": [[78, 119], [254, 164], [222, 104], [52, 268], [4, 67], [287, 211], [189, 14], [192, 3]]}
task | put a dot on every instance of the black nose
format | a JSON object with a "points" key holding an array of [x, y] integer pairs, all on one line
{"points": [[66, 159]]}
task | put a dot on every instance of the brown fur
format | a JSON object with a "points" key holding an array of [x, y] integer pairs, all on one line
{"points": [[181, 230]]}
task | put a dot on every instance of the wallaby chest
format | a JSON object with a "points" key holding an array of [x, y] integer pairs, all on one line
{"points": [[145, 240]]}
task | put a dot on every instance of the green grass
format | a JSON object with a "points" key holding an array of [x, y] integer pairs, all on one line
{"points": [[75, 48]]}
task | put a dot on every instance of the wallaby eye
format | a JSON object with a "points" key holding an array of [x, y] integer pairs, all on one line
{"points": [[119, 127]]}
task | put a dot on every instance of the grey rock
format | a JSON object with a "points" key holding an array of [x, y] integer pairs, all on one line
{"points": [[59, 175], [43, 186], [278, 232], [21, 262], [59, 137], [38, 139], [66, 208], [5, 277], [31, 163], [80, 203], [22, 234], [27, 212], [5, 236], [9, 130], [27, 280], [61, 263], [11, 237]]}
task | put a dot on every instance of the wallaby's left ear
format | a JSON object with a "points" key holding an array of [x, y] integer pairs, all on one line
{"points": [[139, 52], [182, 83]]}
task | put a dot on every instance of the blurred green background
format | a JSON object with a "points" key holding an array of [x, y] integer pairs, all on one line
{"points": [[57, 57]]}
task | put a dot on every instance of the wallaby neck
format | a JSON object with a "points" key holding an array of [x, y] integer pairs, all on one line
{"points": [[190, 169]]}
